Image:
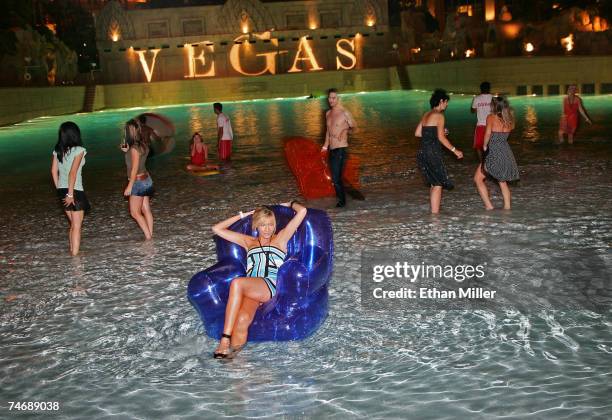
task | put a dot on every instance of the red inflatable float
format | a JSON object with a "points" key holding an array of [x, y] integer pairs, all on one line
{"points": [[309, 165]]}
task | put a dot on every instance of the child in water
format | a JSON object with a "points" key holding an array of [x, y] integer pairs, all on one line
{"points": [[199, 155]]}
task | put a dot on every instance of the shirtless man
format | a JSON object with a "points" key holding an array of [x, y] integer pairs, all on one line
{"points": [[339, 122]]}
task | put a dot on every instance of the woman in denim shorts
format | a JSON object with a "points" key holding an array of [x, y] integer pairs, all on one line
{"points": [[140, 185]]}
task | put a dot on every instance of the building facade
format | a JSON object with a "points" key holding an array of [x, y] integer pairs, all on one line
{"points": [[242, 38]]}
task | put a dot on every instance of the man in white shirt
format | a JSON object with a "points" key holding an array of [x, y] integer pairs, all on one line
{"points": [[225, 135], [481, 105]]}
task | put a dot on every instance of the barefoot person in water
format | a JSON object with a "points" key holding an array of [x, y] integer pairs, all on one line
{"points": [[572, 105], [499, 162], [481, 105], [66, 166], [139, 188], [338, 122], [225, 134], [429, 157], [199, 155], [265, 254]]}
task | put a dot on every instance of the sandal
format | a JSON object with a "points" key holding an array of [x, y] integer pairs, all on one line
{"points": [[219, 355]]}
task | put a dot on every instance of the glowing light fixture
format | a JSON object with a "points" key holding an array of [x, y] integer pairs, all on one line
{"points": [[370, 22], [470, 53], [568, 42], [489, 10], [114, 31], [529, 47]]}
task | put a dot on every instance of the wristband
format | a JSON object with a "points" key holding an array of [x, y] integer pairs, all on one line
{"points": [[453, 149], [69, 195], [241, 215]]}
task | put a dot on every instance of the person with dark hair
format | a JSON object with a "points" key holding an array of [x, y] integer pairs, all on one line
{"points": [[265, 254], [338, 123], [429, 157], [66, 170], [225, 134], [499, 162], [140, 185], [481, 105]]}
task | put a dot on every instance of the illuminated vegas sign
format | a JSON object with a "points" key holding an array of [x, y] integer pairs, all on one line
{"points": [[199, 66]]}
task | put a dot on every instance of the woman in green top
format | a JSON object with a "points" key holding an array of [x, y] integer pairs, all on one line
{"points": [[140, 185], [66, 165]]}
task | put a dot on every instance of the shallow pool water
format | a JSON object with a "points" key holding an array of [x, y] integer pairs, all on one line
{"points": [[111, 333]]}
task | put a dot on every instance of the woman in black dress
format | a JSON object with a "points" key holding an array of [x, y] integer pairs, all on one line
{"points": [[499, 162], [429, 158]]}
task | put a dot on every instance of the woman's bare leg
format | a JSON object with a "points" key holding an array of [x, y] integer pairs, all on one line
{"points": [[75, 231], [561, 132], [136, 213], [243, 322], [69, 216], [435, 197], [251, 287], [146, 211], [481, 186], [505, 190], [570, 138]]}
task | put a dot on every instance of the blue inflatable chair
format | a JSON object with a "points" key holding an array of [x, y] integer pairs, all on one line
{"points": [[301, 303]]}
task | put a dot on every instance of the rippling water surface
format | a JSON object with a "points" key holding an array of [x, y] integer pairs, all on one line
{"points": [[111, 334]]}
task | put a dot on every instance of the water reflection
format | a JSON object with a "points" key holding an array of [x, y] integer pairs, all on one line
{"points": [[195, 120], [530, 130]]}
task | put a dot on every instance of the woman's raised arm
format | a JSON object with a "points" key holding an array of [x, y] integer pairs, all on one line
{"points": [[222, 229], [287, 232]]}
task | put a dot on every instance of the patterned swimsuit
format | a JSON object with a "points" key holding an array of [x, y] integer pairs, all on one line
{"points": [[264, 261]]}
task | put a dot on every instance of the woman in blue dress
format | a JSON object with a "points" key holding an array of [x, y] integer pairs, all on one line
{"points": [[265, 254]]}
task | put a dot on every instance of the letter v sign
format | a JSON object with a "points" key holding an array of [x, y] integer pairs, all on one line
{"points": [[145, 67]]}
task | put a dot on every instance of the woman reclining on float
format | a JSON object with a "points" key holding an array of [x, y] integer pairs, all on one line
{"points": [[265, 254]]}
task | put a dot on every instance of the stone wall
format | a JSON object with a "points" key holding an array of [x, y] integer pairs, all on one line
{"points": [[19, 104], [526, 75], [517, 75], [240, 88]]}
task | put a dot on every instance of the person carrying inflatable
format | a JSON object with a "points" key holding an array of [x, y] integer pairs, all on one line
{"points": [[265, 254]]}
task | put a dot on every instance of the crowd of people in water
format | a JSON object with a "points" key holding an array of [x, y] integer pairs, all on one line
{"points": [[267, 250], [495, 122]]}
